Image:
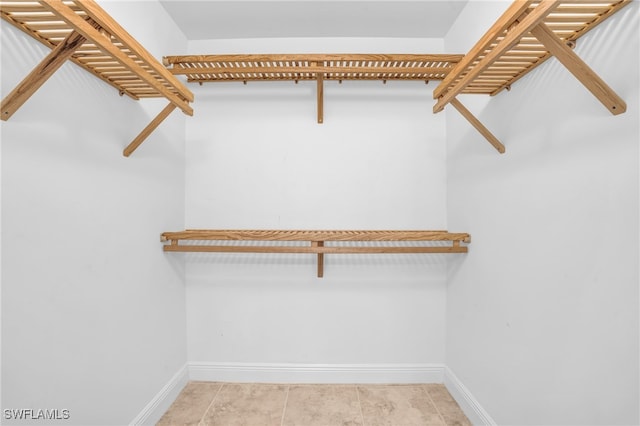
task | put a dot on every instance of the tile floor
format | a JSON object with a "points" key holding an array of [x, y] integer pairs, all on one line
{"points": [[252, 404]]}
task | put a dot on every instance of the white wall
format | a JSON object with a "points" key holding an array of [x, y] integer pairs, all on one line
{"points": [[257, 159], [540, 319], [542, 315], [93, 314]]}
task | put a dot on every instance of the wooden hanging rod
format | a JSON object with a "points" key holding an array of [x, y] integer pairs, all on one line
{"points": [[316, 239]]}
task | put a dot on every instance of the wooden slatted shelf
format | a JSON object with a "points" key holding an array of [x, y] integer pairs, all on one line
{"points": [[316, 67], [82, 32], [493, 73], [526, 35], [298, 67], [235, 241]]}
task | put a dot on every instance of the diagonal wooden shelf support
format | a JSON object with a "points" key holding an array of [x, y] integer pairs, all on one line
{"points": [[40, 74], [478, 125], [579, 69], [149, 129], [398, 242]]}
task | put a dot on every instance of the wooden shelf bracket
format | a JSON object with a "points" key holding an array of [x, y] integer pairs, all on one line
{"points": [[149, 129], [478, 125], [40, 74], [579, 69], [230, 241]]}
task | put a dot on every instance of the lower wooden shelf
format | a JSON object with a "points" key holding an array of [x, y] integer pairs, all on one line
{"points": [[234, 241]]}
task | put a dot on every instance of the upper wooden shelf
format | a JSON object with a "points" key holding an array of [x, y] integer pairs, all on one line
{"points": [[524, 37], [295, 67], [82, 32], [108, 51], [316, 67]]}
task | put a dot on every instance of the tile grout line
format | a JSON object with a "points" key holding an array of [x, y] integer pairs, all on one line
{"points": [[200, 423], [284, 407], [426, 389], [360, 404]]}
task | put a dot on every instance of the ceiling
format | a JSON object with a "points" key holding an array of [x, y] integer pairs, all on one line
{"points": [[218, 19]]}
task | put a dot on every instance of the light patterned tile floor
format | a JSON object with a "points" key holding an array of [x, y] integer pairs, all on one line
{"points": [[253, 404]]}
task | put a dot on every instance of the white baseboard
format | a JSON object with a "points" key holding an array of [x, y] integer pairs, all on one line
{"points": [[316, 373], [467, 402], [160, 403]]}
